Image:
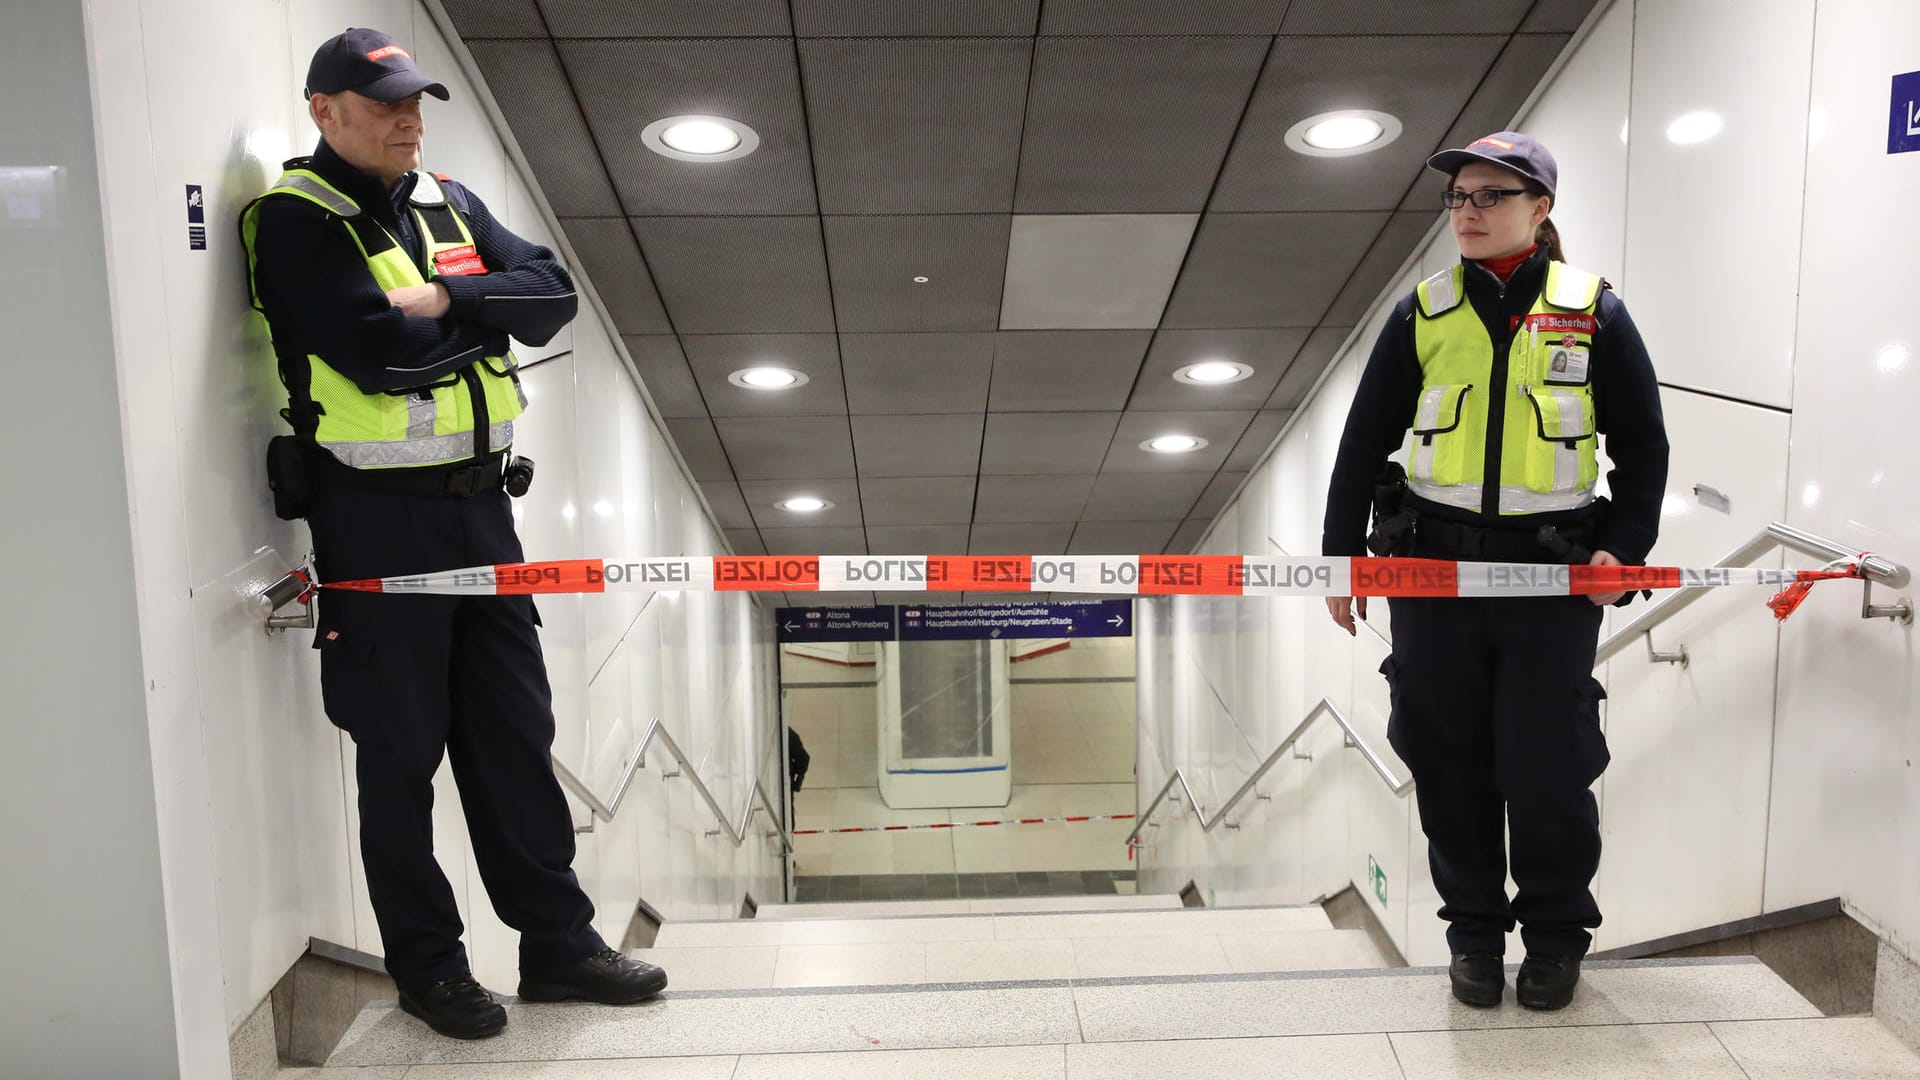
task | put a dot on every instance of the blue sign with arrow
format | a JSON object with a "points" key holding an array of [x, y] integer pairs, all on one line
{"points": [[976, 622]]}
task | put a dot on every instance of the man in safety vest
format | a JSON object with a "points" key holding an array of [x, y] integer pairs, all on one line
{"points": [[391, 295]]}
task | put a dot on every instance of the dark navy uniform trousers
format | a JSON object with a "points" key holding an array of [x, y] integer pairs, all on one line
{"points": [[413, 678], [1497, 713]]}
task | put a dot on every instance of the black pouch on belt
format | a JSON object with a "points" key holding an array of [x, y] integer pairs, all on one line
{"points": [[1393, 520], [290, 475]]}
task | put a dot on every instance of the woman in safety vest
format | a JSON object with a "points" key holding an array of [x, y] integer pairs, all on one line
{"points": [[1496, 377]]}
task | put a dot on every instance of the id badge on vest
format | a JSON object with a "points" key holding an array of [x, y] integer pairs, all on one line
{"points": [[1567, 363]]}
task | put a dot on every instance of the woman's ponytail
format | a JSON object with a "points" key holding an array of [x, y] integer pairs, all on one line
{"points": [[1549, 237]]}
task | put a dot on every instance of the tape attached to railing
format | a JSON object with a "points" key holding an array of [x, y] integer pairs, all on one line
{"points": [[1119, 575]]}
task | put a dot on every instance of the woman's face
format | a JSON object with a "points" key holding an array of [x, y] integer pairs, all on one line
{"points": [[1505, 228]]}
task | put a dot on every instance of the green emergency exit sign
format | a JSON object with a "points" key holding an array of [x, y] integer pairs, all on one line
{"points": [[1378, 876]]}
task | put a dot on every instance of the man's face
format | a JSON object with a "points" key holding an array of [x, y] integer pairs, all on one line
{"points": [[381, 138]]}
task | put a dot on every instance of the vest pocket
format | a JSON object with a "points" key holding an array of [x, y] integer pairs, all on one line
{"points": [[1437, 446], [1561, 457]]}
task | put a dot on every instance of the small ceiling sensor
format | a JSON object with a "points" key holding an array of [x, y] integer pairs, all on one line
{"points": [[803, 504], [1343, 133], [700, 138], [1173, 444], [1213, 373], [768, 378]]}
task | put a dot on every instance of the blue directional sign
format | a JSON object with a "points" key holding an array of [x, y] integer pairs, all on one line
{"points": [[1903, 121], [975, 622], [801, 624]]}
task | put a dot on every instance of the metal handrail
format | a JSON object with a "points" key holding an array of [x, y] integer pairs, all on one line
{"points": [[604, 811], [1777, 535], [1326, 707]]}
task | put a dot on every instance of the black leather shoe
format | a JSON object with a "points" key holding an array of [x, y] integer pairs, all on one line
{"points": [[457, 1008], [1546, 982], [1479, 979], [607, 977]]}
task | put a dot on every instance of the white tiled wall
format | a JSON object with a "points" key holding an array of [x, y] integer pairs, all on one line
{"points": [[262, 855], [1771, 270]]}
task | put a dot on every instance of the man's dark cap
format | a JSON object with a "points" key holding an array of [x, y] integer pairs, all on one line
{"points": [[369, 63], [1508, 149]]}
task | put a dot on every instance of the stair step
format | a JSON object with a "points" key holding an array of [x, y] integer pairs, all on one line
{"points": [[904, 963], [1207, 1007], [989, 927], [862, 909]]}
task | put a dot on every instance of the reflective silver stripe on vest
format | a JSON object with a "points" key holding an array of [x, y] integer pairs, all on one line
{"points": [[1426, 418], [1566, 455], [433, 450], [1517, 500], [422, 411], [1572, 288], [321, 193], [1441, 297]]}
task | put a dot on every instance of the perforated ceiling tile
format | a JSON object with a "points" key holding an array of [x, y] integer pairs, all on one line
{"points": [[668, 18], [1557, 16], [1399, 240], [1267, 352], [1065, 370], [1121, 537], [760, 496], [891, 18], [1521, 66], [1106, 133], [918, 540], [812, 541], [1252, 270], [1096, 17], [1092, 271], [917, 373], [700, 446], [1220, 429], [1035, 444], [1404, 16], [729, 508], [525, 78], [612, 264], [916, 126], [876, 259], [756, 275], [940, 500], [1265, 428], [626, 85], [714, 357], [1214, 498], [1141, 496], [745, 541], [1030, 539], [495, 18], [918, 445], [1306, 368], [788, 448], [664, 371], [1422, 81], [1010, 499]]}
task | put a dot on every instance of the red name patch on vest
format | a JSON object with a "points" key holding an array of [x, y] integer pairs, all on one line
{"points": [[460, 261], [1549, 322]]}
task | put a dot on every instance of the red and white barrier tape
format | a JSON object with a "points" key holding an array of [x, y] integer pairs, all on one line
{"points": [[1125, 575], [964, 824]]}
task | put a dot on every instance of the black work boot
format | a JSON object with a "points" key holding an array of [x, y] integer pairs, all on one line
{"points": [[458, 1008], [1479, 979], [1546, 982], [607, 977]]}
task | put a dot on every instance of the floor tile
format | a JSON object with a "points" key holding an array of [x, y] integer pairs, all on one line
{"points": [[822, 932], [686, 1068], [998, 961], [1350, 1057], [983, 1063], [1120, 957], [1844, 1048], [1184, 921], [850, 965], [1645, 1052], [1321, 950], [370, 1072], [714, 968]]}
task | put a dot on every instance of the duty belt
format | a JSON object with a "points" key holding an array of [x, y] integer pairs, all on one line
{"points": [[440, 481], [1434, 538]]}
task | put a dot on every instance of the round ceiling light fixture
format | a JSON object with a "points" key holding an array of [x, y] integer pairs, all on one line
{"points": [[1343, 133], [1173, 444], [1213, 373], [700, 138], [768, 378], [803, 504]]}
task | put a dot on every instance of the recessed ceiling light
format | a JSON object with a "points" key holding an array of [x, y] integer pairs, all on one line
{"points": [[768, 378], [1173, 444], [920, 279], [1212, 373], [1343, 133], [700, 138], [1694, 127], [803, 504]]}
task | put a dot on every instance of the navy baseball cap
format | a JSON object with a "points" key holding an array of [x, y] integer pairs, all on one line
{"points": [[367, 62], [1510, 150]]}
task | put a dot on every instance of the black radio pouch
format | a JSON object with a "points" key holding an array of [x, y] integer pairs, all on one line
{"points": [[290, 474], [1393, 520]]}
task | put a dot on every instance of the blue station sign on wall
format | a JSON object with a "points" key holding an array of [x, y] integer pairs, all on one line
{"points": [[1903, 121], [955, 622]]}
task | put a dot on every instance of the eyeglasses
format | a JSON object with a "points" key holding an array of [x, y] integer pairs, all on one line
{"points": [[1485, 198]]}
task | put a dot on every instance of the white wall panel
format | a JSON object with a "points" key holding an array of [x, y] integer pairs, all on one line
{"points": [[1582, 119], [1713, 244]]}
